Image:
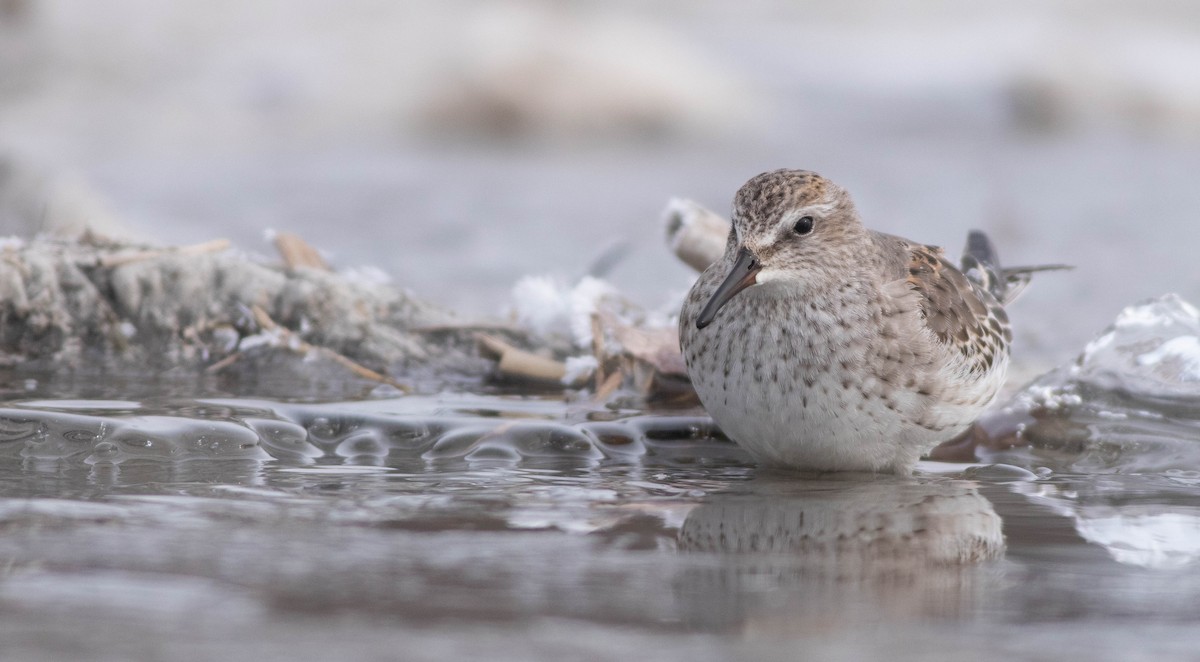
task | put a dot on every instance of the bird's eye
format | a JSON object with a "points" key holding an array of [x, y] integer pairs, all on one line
{"points": [[804, 225]]}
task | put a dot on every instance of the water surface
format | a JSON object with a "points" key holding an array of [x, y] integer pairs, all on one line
{"points": [[432, 527]]}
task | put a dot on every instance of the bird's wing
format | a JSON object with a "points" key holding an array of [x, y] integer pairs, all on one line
{"points": [[961, 315]]}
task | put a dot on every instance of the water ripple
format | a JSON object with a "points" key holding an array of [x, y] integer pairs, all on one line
{"points": [[366, 435]]}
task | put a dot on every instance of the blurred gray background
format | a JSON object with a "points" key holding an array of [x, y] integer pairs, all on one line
{"points": [[458, 144]]}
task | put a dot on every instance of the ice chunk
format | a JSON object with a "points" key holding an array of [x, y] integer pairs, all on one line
{"points": [[1126, 404], [1184, 351], [1152, 349]]}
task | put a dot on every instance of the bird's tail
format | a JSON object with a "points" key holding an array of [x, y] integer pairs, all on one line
{"points": [[981, 264]]}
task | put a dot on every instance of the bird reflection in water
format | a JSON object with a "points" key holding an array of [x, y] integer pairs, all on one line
{"points": [[793, 554]]}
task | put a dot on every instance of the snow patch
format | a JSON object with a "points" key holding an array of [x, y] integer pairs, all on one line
{"points": [[579, 367], [549, 306]]}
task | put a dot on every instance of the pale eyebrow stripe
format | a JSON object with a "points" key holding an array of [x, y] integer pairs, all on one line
{"points": [[819, 209]]}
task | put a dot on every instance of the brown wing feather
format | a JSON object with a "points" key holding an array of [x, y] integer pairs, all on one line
{"points": [[961, 315]]}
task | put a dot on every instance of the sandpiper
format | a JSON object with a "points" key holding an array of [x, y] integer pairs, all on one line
{"points": [[818, 344]]}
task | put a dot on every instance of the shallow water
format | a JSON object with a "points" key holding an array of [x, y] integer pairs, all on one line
{"points": [[428, 527]]}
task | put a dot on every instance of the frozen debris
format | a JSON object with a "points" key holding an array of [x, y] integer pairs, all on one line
{"points": [[695, 234], [629, 347], [91, 303]]}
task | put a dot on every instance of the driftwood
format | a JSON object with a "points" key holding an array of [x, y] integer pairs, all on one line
{"points": [[695, 234]]}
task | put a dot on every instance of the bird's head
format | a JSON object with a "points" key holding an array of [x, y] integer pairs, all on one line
{"points": [[788, 225]]}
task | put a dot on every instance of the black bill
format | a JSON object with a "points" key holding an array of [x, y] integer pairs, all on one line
{"points": [[740, 277]]}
